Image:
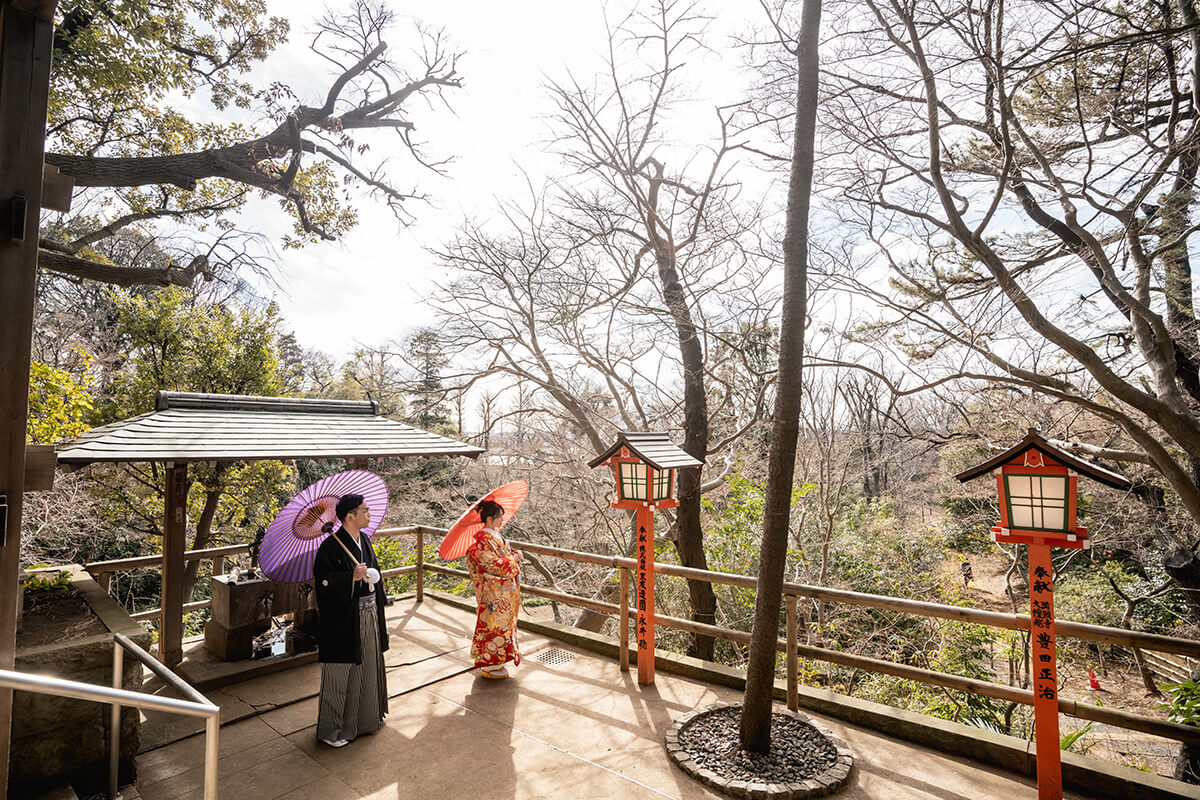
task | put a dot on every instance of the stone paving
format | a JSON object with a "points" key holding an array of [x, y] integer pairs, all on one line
{"points": [[568, 724]]}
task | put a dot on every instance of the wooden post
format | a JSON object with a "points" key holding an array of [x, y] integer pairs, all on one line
{"points": [[1045, 672], [40, 464], [420, 565], [218, 567], [26, 34], [793, 680], [170, 628], [105, 581], [623, 619], [645, 595]]}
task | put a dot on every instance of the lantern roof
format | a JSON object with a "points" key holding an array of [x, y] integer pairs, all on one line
{"points": [[1034, 441], [656, 449]]}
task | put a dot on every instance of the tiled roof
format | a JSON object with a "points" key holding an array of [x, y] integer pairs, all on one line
{"points": [[207, 427], [655, 448], [1034, 441]]}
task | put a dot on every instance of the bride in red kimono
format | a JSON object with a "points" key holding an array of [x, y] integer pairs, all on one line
{"points": [[495, 571]]}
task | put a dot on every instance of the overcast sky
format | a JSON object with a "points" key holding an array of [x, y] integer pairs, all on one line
{"points": [[371, 286]]}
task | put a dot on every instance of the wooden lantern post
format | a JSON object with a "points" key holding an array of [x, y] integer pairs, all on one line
{"points": [[644, 466], [1037, 487]]}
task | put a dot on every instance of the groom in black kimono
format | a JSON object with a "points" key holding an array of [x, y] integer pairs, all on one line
{"points": [[353, 634]]}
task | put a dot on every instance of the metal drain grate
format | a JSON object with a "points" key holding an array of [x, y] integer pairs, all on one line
{"points": [[554, 657]]}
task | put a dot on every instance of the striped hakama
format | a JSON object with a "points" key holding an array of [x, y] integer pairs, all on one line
{"points": [[354, 696]]}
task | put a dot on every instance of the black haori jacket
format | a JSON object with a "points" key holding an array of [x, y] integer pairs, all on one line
{"points": [[337, 601]]}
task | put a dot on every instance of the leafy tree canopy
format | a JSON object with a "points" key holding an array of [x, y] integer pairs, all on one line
{"points": [[156, 114], [59, 403], [174, 342]]}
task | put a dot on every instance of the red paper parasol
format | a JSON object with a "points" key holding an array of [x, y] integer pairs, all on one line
{"points": [[289, 546], [510, 496]]}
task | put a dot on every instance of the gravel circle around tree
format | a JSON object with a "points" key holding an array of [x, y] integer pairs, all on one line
{"points": [[806, 759]]}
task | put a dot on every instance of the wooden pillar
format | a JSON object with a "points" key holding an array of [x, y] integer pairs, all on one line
{"points": [[26, 33], [645, 595], [170, 627], [1045, 673], [420, 564], [623, 619], [793, 667]]}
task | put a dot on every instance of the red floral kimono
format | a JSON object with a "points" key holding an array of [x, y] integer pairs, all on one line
{"points": [[496, 574]]}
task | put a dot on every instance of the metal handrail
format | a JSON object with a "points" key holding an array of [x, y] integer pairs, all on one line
{"points": [[196, 706]]}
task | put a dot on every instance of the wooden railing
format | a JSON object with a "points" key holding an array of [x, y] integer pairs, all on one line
{"points": [[1169, 669], [789, 645], [794, 650], [103, 571]]}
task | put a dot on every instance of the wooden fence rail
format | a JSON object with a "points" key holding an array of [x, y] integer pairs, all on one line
{"points": [[793, 650], [994, 619], [1168, 669], [103, 571], [789, 644]]}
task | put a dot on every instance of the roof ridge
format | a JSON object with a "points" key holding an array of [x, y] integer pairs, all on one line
{"points": [[238, 402], [654, 447]]}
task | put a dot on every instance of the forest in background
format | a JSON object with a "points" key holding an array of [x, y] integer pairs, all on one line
{"points": [[1004, 203]]}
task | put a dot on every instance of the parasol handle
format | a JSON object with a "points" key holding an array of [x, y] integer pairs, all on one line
{"points": [[347, 549]]}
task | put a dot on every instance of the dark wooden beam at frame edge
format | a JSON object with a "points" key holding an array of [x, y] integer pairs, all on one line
{"points": [[26, 37]]}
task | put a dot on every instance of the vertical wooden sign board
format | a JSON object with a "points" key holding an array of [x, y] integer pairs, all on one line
{"points": [[645, 595], [1045, 672]]}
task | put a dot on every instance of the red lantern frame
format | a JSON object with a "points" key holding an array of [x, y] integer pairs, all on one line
{"points": [[660, 458]]}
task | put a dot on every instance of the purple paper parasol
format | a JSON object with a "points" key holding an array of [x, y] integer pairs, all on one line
{"points": [[289, 546]]}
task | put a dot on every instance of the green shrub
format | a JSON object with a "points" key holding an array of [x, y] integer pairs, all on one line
{"points": [[1184, 705], [46, 580], [968, 523]]}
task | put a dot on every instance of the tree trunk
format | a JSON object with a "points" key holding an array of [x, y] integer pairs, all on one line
{"points": [[689, 537], [755, 733], [1175, 220], [122, 276], [184, 170], [1183, 566], [609, 592], [1131, 605], [689, 544], [212, 497], [1179, 561], [1147, 676]]}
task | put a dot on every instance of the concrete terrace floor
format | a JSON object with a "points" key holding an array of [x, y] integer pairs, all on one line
{"points": [[580, 729]]}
